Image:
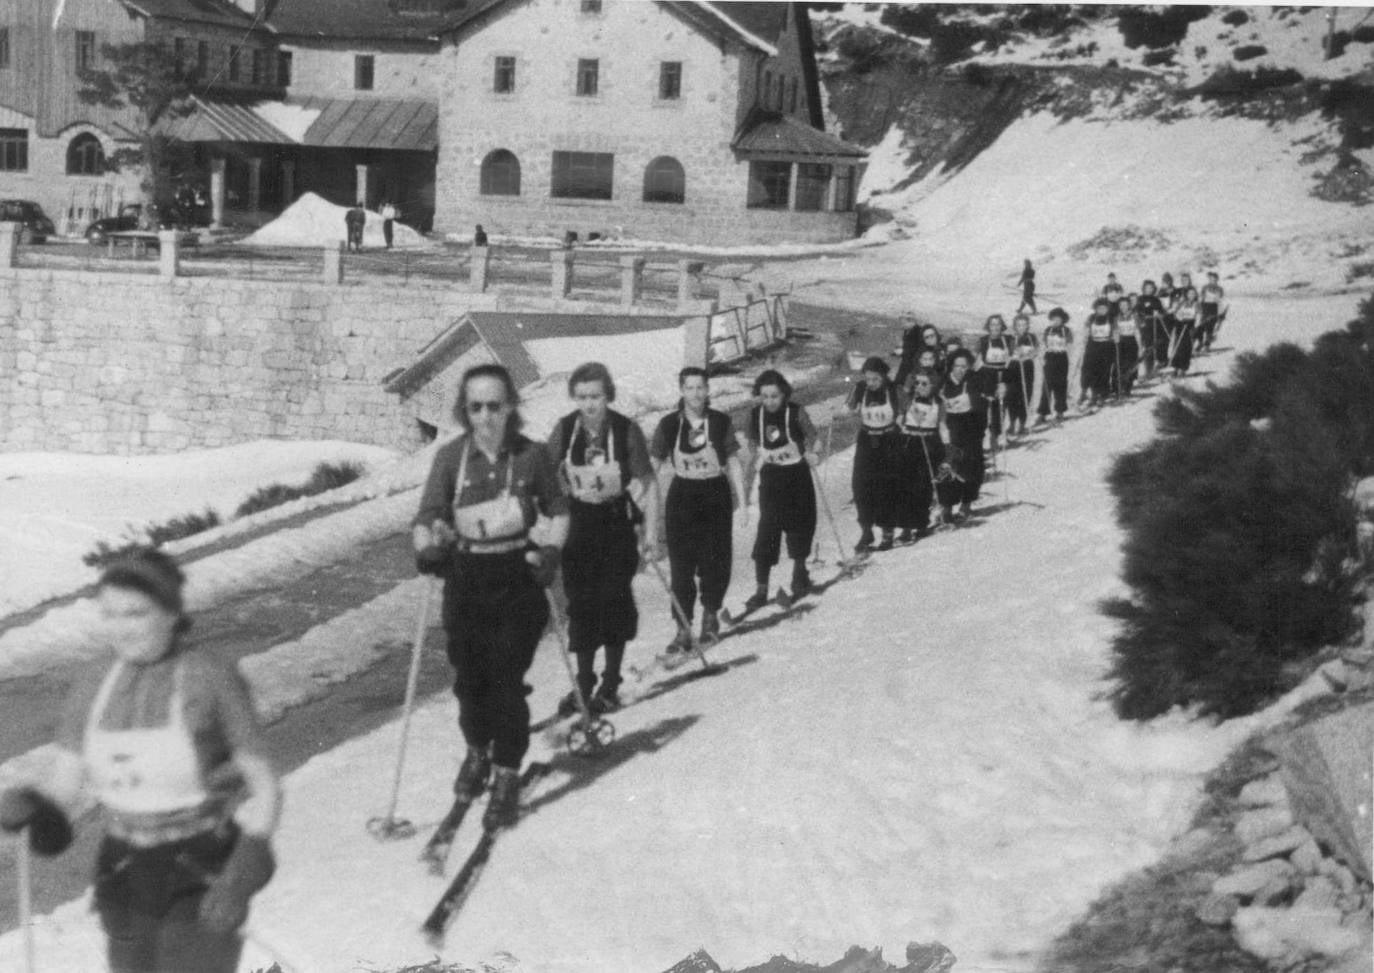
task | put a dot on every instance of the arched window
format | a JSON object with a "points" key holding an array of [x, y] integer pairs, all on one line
{"points": [[500, 174], [664, 181], [85, 157]]}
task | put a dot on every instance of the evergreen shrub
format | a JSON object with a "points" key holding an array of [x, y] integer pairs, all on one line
{"points": [[326, 476], [154, 534], [1240, 529]]}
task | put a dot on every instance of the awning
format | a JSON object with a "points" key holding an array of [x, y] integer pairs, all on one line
{"points": [[372, 123], [770, 134], [224, 121]]}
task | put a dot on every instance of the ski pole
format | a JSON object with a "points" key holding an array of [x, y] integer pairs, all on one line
{"points": [[23, 875], [390, 827], [1025, 392], [846, 564], [934, 490], [595, 733], [680, 613], [1120, 381]]}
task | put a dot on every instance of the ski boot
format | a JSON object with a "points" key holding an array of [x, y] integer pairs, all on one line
{"points": [[865, 542], [801, 583], [905, 537], [606, 699], [757, 600], [886, 543], [504, 804], [965, 510], [473, 774], [710, 628], [682, 642], [569, 704]]}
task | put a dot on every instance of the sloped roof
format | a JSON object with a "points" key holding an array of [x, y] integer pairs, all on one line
{"points": [[768, 133], [219, 12], [764, 20], [369, 20], [372, 123], [211, 120]]}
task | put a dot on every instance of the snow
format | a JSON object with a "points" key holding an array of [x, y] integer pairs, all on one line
{"points": [[292, 120], [51, 512], [923, 755], [312, 221]]}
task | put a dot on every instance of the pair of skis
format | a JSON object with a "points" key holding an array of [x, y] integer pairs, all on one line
{"points": [[436, 851]]}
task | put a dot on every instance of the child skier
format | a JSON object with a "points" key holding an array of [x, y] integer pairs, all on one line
{"points": [[1058, 342]]}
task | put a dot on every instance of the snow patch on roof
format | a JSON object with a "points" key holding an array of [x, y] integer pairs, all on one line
{"points": [[293, 120]]}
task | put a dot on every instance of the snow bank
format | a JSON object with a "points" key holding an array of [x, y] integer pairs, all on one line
{"points": [[55, 507], [312, 221]]}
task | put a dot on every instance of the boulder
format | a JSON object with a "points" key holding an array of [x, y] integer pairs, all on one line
{"points": [[1263, 822], [1217, 910], [1328, 769], [1248, 881], [1276, 845], [698, 962], [929, 958], [1264, 791], [1287, 935]]}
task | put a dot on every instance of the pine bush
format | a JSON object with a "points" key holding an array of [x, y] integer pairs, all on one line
{"points": [[1240, 528]]}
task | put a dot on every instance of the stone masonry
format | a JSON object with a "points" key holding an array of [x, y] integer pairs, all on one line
{"points": [[121, 363]]}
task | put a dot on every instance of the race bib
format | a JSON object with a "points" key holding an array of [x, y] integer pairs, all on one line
{"points": [[878, 416], [1100, 330], [923, 416], [594, 482], [1056, 342], [959, 404], [996, 356], [490, 520]]}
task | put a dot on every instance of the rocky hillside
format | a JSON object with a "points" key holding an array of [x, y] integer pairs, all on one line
{"points": [[929, 87]]}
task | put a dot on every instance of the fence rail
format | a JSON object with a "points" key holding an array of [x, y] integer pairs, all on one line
{"points": [[631, 278]]}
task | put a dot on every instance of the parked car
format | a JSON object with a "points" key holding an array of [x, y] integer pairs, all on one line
{"points": [[130, 217], [36, 225]]}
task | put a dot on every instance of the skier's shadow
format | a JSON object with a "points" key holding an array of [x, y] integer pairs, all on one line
{"points": [[578, 772]]}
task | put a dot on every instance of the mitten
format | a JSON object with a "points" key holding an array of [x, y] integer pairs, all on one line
{"points": [[224, 907], [50, 831], [543, 564], [432, 560]]}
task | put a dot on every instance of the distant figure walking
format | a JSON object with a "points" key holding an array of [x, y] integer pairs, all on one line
{"points": [[354, 221], [479, 236], [389, 215], [1027, 283]]}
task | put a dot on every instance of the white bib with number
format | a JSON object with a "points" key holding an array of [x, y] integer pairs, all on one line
{"points": [[500, 518], [922, 416], [1056, 342], [878, 415], [701, 465], [597, 479], [959, 404], [996, 356], [145, 770], [1099, 330], [776, 447]]}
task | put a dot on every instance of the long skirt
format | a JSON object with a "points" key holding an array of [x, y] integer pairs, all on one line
{"points": [[876, 478]]}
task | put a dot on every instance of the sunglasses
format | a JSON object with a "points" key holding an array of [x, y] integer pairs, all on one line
{"points": [[476, 407]]}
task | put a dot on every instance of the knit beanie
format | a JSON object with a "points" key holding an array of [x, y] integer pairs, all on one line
{"points": [[150, 571]]}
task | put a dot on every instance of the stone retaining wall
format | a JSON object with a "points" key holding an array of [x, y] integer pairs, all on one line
{"points": [[119, 363]]}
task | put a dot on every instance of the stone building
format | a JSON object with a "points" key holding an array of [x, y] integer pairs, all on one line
{"points": [[686, 121]]}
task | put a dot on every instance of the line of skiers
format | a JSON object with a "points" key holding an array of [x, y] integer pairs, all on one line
{"points": [[165, 740]]}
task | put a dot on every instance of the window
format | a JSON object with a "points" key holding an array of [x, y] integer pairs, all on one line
{"points": [[588, 72], [500, 174], [234, 62], [363, 66], [670, 80], [4, 48], [178, 57], [813, 185], [284, 69], [664, 181], [770, 185], [766, 89], [792, 96], [778, 94], [591, 6], [504, 82], [844, 189], [14, 150], [257, 66], [85, 49], [582, 175], [85, 157], [202, 59]]}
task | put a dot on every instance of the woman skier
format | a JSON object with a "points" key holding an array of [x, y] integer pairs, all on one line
{"points": [[877, 473], [604, 461], [485, 491]]}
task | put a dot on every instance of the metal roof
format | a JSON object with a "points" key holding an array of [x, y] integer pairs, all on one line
{"points": [[369, 20], [212, 120], [372, 123], [768, 133], [220, 12]]}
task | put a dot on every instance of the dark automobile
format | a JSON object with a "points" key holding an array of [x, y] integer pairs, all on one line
{"points": [[36, 227], [131, 218]]}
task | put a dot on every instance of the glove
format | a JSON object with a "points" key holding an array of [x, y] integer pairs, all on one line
{"points": [[224, 906], [543, 564], [50, 831], [432, 560]]}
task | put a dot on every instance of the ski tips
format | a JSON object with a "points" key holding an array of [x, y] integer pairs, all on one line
{"points": [[390, 829]]}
